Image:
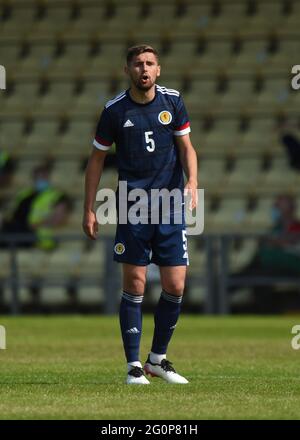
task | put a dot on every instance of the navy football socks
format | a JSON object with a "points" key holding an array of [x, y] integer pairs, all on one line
{"points": [[165, 319], [131, 324]]}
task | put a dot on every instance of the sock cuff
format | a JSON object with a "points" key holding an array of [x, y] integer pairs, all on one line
{"points": [[172, 298], [133, 364], [132, 298], [156, 358]]}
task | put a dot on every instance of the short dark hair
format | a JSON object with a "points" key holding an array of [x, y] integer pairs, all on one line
{"points": [[137, 50]]}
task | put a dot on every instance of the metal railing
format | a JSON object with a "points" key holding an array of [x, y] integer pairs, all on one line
{"points": [[217, 278], [110, 282]]}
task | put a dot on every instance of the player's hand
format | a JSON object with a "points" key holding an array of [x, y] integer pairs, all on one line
{"points": [[191, 189], [90, 224]]}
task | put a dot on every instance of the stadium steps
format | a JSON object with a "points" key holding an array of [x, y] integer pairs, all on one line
{"points": [[93, 98], [56, 51], [230, 217], [280, 177], [246, 175], [11, 134], [50, 101], [24, 296], [211, 173], [241, 254], [24, 97], [91, 295], [260, 218]]}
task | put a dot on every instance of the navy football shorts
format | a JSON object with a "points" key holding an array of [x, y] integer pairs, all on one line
{"points": [[142, 244]]}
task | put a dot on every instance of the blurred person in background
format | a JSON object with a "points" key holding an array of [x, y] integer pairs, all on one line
{"points": [[7, 167], [279, 253], [290, 138], [38, 210]]}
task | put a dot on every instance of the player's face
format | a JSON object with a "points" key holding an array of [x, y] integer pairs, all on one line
{"points": [[143, 71]]}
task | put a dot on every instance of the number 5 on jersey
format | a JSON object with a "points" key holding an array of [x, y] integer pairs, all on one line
{"points": [[184, 245], [149, 141]]}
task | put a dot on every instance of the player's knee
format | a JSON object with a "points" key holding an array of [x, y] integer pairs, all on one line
{"points": [[136, 284], [174, 287]]}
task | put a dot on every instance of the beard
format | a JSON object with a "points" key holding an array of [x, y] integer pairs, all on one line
{"points": [[143, 86]]}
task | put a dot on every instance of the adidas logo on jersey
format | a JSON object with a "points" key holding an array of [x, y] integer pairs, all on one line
{"points": [[128, 123], [133, 330]]}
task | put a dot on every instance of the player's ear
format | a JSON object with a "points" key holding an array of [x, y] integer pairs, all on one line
{"points": [[126, 70], [158, 70]]}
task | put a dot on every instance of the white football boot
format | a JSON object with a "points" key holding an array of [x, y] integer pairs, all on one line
{"points": [[163, 370], [135, 376]]}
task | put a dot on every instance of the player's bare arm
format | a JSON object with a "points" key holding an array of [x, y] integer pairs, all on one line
{"points": [[188, 158], [92, 178]]}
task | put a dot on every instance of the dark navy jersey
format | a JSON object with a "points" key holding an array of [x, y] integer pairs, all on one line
{"points": [[147, 156]]}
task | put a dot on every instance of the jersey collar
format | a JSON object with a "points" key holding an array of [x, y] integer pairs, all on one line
{"points": [[138, 103]]}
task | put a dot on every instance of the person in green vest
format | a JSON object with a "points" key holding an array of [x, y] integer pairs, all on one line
{"points": [[38, 210]]}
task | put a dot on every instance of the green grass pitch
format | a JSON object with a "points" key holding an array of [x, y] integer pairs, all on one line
{"points": [[73, 368]]}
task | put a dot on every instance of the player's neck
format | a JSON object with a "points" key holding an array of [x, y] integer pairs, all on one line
{"points": [[140, 96]]}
